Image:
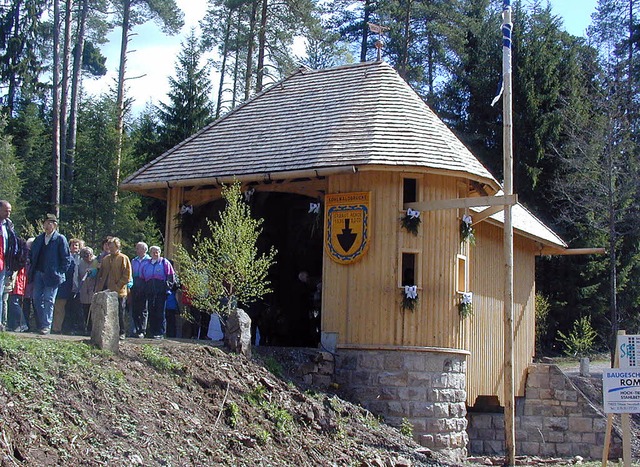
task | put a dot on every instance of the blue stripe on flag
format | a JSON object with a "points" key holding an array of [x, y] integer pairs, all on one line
{"points": [[506, 35]]}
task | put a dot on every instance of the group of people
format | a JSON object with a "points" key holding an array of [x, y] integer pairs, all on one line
{"points": [[58, 278]]}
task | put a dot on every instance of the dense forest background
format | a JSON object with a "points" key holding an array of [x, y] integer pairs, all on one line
{"points": [[576, 103]]}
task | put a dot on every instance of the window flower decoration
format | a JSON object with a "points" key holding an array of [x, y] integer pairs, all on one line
{"points": [[183, 216], [466, 230], [409, 297], [411, 221], [465, 307]]}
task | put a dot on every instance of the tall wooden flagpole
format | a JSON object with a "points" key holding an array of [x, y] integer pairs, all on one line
{"points": [[509, 403]]}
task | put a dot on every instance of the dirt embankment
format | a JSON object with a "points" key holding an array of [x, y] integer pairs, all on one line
{"points": [[168, 403]]}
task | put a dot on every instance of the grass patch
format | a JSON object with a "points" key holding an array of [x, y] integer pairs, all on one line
{"points": [[232, 414], [38, 361], [274, 366], [281, 417], [257, 397], [160, 362], [406, 428]]}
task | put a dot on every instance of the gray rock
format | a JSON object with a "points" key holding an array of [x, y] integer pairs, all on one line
{"points": [[105, 330], [237, 335]]}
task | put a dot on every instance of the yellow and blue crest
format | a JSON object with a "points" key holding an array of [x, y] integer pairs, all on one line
{"points": [[347, 226]]}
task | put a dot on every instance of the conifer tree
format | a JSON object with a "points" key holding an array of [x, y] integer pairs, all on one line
{"points": [[189, 108], [10, 168]]}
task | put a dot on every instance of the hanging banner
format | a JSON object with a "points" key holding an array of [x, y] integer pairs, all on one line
{"points": [[347, 226]]}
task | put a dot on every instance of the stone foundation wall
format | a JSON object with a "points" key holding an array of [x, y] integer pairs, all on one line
{"points": [[554, 419], [427, 388]]}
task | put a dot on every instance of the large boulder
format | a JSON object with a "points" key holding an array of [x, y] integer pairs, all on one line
{"points": [[105, 329], [238, 332]]}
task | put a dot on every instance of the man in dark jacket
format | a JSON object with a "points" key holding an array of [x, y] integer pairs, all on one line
{"points": [[49, 260], [10, 260]]}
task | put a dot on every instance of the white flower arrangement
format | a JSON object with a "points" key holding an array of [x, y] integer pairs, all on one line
{"points": [[411, 221], [465, 307], [409, 297], [466, 229]]}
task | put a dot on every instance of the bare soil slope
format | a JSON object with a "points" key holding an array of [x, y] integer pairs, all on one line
{"points": [[175, 403]]}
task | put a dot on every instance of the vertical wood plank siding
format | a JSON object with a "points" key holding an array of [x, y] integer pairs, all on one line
{"points": [[484, 366], [361, 301]]}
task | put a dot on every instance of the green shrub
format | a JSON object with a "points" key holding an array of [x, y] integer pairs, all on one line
{"points": [[579, 342], [406, 428]]}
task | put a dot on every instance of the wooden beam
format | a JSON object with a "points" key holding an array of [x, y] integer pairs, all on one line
{"points": [[459, 203], [554, 251], [482, 215]]}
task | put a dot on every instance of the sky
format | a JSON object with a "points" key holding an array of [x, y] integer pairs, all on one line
{"points": [[154, 54]]}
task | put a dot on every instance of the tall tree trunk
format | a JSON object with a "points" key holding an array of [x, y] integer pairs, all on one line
{"points": [[613, 287], [631, 43], [55, 190], [404, 63], [365, 31], [64, 96], [248, 76], [126, 16], [262, 41], [430, 63], [225, 51], [613, 237], [236, 66], [75, 94], [11, 93]]}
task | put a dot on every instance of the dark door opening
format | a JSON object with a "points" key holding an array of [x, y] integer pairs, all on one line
{"points": [[290, 314]]}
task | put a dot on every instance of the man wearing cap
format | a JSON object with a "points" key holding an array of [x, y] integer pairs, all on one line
{"points": [[49, 260]]}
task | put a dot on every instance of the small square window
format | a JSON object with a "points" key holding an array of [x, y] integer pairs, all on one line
{"points": [[409, 268], [409, 190], [409, 261]]}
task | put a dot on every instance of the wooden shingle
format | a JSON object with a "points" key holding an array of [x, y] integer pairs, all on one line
{"points": [[355, 115]]}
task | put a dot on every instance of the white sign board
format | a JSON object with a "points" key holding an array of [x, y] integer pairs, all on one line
{"points": [[621, 390], [629, 351]]}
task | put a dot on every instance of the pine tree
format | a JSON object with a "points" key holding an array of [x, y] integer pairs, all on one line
{"points": [[130, 14], [189, 108], [601, 182], [254, 40], [10, 168]]}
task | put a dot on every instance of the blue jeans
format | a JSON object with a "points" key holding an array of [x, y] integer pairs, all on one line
{"points": [[15, 319], [157, 318], [44, 298]]}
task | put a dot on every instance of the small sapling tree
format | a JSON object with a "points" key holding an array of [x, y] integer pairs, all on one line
{"points": [[225, 267]]}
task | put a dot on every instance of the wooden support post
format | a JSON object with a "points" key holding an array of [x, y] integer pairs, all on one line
{"points": [[172, 231], [507, 135]]}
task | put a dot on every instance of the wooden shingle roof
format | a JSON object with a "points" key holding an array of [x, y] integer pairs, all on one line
{"points": [[355, 115]]}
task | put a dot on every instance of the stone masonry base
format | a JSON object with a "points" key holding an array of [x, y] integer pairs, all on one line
{"points": [[427, 388], [554, 419]]}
